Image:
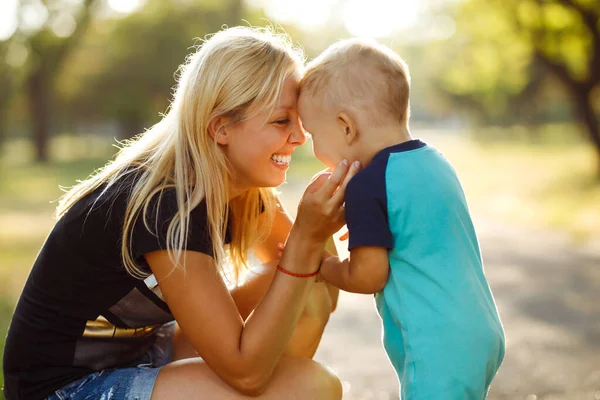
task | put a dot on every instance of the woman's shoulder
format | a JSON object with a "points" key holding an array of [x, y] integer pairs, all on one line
{"points": [[108, 201]]}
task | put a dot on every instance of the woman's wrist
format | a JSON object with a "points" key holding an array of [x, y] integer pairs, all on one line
{"points": [[305, 243], [302, 255]]}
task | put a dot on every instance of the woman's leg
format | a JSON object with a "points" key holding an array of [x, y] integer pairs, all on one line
{"points": [[182, 348], [294, 378]]}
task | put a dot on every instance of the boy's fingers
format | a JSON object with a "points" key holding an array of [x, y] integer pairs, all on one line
{"points": [[280, 247]]}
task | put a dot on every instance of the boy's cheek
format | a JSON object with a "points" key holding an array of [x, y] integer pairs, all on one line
{"points": [[322, 157]]}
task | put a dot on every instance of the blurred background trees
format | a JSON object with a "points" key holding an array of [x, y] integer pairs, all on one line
{"points": [[71, 65], [508, 90], [509, 59], [79, 66], [50, 32]]}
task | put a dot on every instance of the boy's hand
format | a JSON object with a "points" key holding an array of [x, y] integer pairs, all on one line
{"points": [[280, 247]]}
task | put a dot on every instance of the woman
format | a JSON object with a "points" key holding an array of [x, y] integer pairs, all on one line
{"points": [[141, 243]]}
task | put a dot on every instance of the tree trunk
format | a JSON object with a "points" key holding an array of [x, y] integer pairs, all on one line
{"points": [[585, 112], [40, 81], [39, 107], [2, 127]]}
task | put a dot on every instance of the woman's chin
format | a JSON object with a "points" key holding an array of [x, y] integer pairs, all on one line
{"points": [[278, 182], [272, 181]]}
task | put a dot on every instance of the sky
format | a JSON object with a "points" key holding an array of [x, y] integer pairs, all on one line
{"points": [[368, 18]]}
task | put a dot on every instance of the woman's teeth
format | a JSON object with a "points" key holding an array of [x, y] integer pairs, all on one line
{"points": [[281, 160]]}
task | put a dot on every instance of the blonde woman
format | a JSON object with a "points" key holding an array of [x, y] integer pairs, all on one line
{"points": [[141, 243]]}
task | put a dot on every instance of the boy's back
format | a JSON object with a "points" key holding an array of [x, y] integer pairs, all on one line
{"points": [[441, 328]]}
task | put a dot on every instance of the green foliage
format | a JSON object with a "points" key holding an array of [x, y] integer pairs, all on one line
{"points": [[490, 61], [492, 58], [125, 70]]}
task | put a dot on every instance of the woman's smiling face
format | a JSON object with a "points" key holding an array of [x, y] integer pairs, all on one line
{"points": [[259, 149]]}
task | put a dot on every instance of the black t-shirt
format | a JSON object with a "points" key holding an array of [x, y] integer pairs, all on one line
{"points": [[80, 310]]}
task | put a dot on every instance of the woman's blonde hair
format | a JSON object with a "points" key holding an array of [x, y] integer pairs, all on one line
{"points": [[236, 73]]}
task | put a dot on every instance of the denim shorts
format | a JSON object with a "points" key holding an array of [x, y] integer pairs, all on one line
{"points": [[133, 383]]}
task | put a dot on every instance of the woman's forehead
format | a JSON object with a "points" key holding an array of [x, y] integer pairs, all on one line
{"points": [[289, 94]]}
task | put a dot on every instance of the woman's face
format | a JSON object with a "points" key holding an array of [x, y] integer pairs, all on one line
{"points": [[260, 148]]}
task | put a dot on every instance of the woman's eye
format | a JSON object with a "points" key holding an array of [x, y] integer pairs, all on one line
{"points": [[284, 121]]}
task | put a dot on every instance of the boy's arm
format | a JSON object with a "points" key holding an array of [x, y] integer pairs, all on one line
{"points": [[366, 271]]}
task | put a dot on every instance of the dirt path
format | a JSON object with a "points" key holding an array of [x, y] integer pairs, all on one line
{"points": [[548, 294]]}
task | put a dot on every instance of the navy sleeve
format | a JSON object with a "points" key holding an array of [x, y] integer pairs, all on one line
{"points": [[366, 210], [145, 241]]}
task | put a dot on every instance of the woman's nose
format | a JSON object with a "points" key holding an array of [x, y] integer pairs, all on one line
{"points": [[297, 135]]}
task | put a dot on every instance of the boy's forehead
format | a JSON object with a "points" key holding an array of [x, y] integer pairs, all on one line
{"points": [[307, 102], [302, 103]]}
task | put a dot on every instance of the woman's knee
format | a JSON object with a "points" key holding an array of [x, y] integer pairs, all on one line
{"points": [[322, 382], [332, 386]]}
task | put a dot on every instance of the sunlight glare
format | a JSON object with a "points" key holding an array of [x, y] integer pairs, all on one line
{"points": [[33, 16], [125, 6], [309, 14], [379, 18], [8, 19]]}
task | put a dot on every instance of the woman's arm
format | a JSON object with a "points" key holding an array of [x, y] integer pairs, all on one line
{"points": [[245, 353], [321, 302], [268, 252]]}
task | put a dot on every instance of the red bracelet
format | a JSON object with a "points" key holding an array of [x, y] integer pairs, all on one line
{"points": [[285, 271]]}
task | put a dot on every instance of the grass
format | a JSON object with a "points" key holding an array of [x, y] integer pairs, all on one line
{"points": [[26, 194], [545, 183]]}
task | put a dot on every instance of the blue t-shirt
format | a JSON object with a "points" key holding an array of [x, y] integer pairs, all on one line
{"points": [[441, 328]]}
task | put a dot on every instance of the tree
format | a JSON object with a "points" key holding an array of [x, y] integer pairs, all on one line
{"points": [[506, 49], [565, 38], [47, 53], [7, 87], [124, 69]]}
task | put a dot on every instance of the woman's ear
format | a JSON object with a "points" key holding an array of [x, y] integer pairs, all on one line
{"points": [[348, 125], [217, 130]]}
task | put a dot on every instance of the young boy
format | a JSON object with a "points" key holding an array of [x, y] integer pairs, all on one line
{"points": [[412, 241]]}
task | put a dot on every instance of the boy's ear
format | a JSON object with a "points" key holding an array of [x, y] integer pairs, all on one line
{"points": [[218, 131], [348, 125]]}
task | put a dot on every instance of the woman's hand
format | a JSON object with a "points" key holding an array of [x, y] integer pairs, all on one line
{"points": [[321, 209]]}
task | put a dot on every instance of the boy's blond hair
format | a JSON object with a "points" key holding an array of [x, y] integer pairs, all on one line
{"points": [[361, 75]]}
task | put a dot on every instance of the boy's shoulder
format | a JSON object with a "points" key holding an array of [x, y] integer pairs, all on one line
{"points": [[407, 147], [368, 182], [373, 175]]}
